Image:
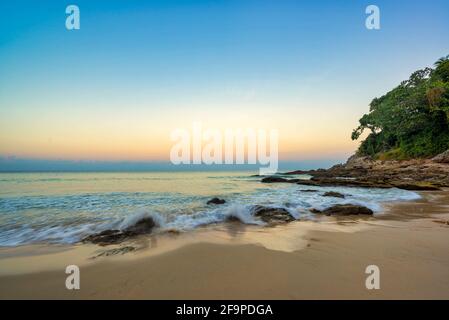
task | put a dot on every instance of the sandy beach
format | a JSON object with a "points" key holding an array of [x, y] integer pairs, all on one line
{"points": [[409, 242]]}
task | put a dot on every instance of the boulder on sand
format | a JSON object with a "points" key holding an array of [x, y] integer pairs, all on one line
{"points": [[344, 210], [273, 215], [143, 226]]}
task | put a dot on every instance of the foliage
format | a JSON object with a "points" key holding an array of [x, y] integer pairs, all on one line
{"points": [[412, 120]]}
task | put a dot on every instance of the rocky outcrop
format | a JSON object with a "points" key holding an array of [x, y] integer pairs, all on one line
{"points": [[333, 194], [272, 215], [373, 182], [415, 187], [442, 157], [357, 162], [143, 226], [364, 172], [216, 201], [337, 182], [344, 210]]}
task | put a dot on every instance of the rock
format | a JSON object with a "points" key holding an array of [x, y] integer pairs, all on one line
{"points": [[416, 187], [216, 201], [274, 179], [333, 194], [106, 237], [296, 172], [412, 174], [344, 210], [336, 182], [232, 218], [442, 157], [358, 162], [446, 222], [273, 215], [113, 252], [309, 190], [143, 226]]}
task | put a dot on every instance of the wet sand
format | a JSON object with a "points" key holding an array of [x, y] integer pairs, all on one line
{"points": [[302, 260]]}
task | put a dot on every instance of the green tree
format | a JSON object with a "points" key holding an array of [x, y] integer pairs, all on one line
{"points": [[412, 120]]}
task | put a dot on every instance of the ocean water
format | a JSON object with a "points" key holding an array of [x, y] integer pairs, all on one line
{"points": [[65, 207]]}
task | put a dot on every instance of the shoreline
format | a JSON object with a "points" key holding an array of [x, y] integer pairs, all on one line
{"points": [[300, 260]]}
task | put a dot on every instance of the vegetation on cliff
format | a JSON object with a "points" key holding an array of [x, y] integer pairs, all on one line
{"points": [[412, 120]]}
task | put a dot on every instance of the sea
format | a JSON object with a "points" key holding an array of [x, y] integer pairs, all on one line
{"points": [[65, 207]]}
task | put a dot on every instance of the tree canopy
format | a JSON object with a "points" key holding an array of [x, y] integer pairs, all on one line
{"points": [[410, 121]]}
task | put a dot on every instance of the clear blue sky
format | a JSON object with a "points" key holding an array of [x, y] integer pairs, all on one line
{"points": [[137, 67]]}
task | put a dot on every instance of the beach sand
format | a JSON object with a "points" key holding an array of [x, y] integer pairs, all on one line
{"points": [[301, 260]]}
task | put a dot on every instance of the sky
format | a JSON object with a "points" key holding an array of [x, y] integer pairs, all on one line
{"points": [[137, 70]]}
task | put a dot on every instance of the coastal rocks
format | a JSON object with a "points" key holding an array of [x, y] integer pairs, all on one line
{"points": [[233, 218], [414, 174], [357, 162], [338, 182], [272, 215], [216, 201], [144, 225], [334, 194], [442, 157], [416, 187], [107, 237], [273, 179], [344, 210]]}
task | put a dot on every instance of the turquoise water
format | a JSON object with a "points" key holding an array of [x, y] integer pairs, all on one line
{"points": [[64, 207]]}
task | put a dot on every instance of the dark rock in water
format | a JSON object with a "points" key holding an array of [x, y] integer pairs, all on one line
{"points": [[106, 237], [274, 179], [309, 190], [333, 194], [296, 172], [344, 210], [273, 215], [216, 201], [143, 226], [232, 218]]}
